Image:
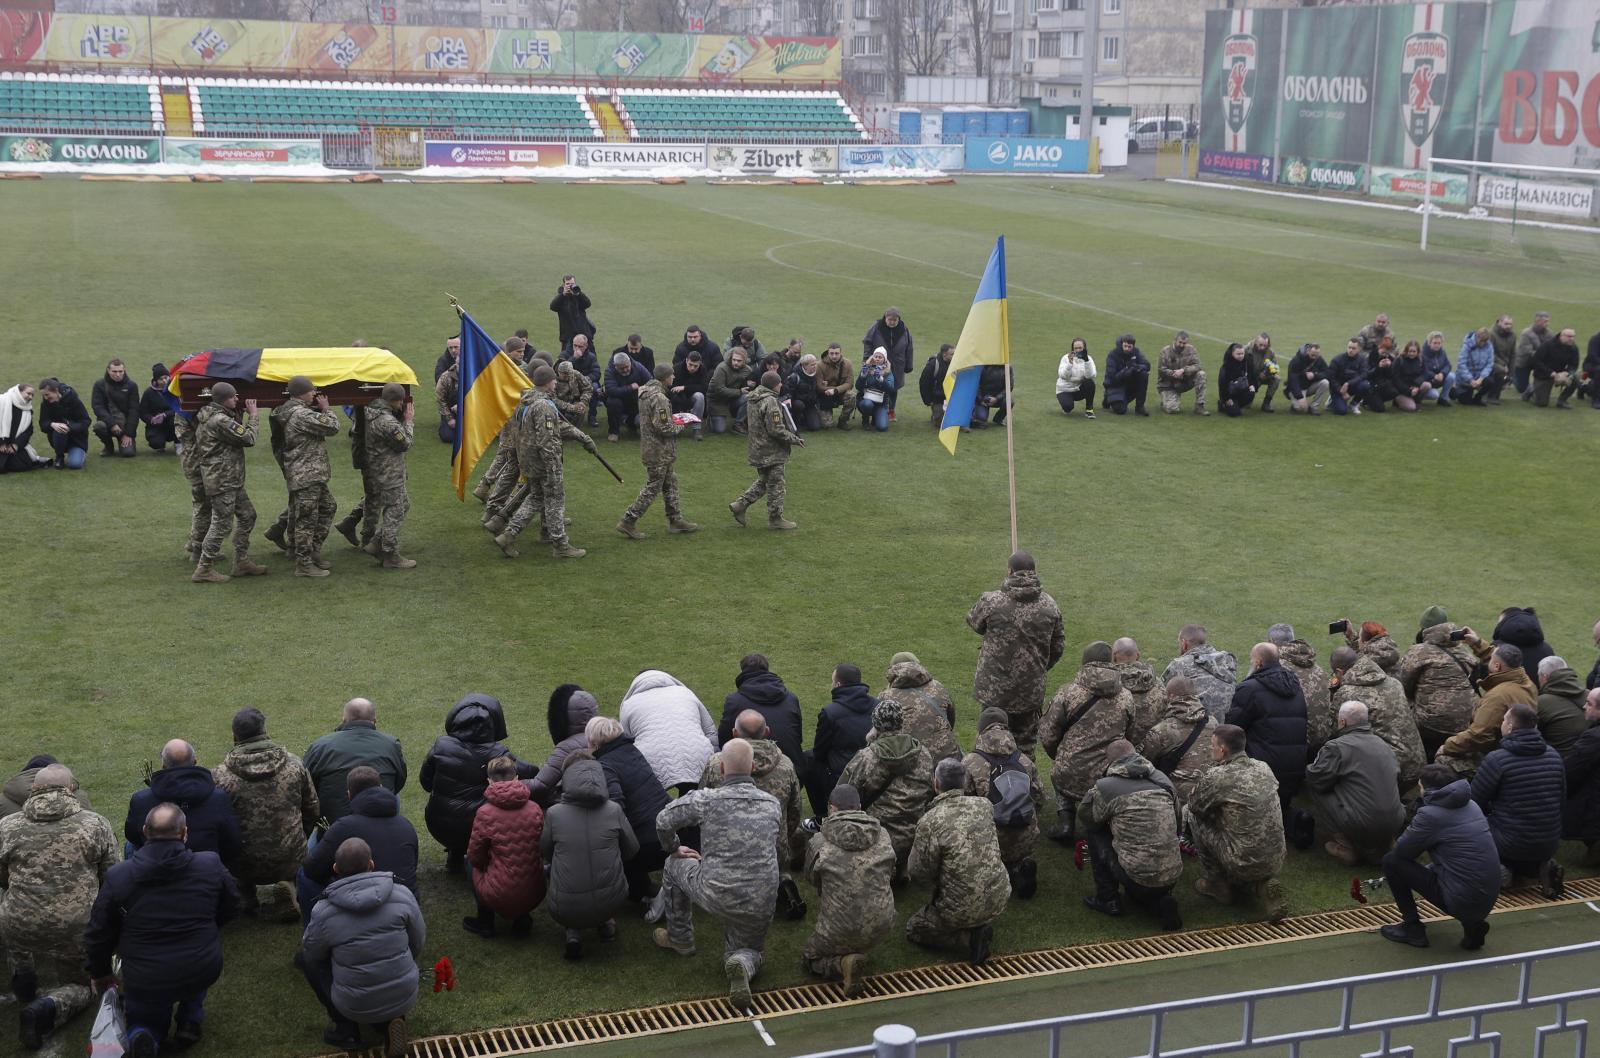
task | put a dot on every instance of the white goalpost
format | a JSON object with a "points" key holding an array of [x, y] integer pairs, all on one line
{"points": [[1547, 197]]}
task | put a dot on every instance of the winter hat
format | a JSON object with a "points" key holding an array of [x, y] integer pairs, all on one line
{"points": [[903, 658], [1099, 651], [583, 701], [1372, 630], [545, 358], [221, 391], [563, 367], [157, 370], [1434, 615], [887, 717], [993, 717]]}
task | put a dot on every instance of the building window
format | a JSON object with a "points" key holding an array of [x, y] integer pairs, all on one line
{"points": [[1000, 45], [867, 44], [1049, 45], [1072, 5], [1047, 5], [1033, 7], [522, 21], [866, 8], [1033, 48], [497, 22], [1002, 7], [876, 84], [1072, 44], [1050, 93], [1110, 48], [1112, 7]]}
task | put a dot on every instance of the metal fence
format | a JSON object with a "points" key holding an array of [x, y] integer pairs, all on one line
{"points": [[900, 1041]]}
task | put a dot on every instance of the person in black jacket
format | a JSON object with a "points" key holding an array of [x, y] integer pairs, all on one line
{"points": [[162, 912], [155, 412], [992, 395], [890, 332], [571, 306], [1580, 819], [1521, 788], [1591, 372], [448, 358], [800, 390], [1234, 386], [1410, 377], [1380, 372], [632, 783], [213, 827], [64, 421], [1556, 364], [641, 352], [842, 728], [690, 379], [931, 384], [116, 410], [454, 775], [762, 690], [374, 818], [1347, 378], [1307, 381], [1462, 878], [1127, 377], [696, 340], [1519, 626], [1270, 705]]}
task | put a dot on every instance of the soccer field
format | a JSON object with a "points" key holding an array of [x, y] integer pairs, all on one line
{"points": [[1138, 525]]}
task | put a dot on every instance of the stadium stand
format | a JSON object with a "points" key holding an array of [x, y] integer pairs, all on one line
{"points": [[660, 113], [31, 102]]}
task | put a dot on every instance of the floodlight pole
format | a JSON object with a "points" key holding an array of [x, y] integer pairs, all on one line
{"points": [[1011, 457]]}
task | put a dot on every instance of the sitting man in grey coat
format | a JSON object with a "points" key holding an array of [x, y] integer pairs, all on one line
{"points": [[360, 951], [1355, 790]]}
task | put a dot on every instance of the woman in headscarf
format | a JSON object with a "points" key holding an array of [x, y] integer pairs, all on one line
{"points": [[16, 430], [875, 389]]}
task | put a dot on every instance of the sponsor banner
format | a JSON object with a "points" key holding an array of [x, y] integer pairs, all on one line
{"points": [[81, 150], [493, 154], [947, 157], [718, 59], [1009, 155], [1238, 95], [1449, 189], [1568, 200], [1326, 90], [529, 51], [181, 151], [1429, 60], [1322, 176], [770, 157], [1233, 163], [639, 155]]}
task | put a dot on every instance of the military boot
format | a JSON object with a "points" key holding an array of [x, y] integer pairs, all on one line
{"points": [[204, 574], [36, 1021], [627, 528], [243, 566], [678, 525], [507, 544], [320, 562], [564, 549], [738, 507], [663, 939], [780, 522], [1408, 931], [307, 568], [395, 560], [738, 983], [275, 535], [495, 524], [347, 529], [850, 968], [481, 491], [1215, 888], [371, 547], [1275, 900]]}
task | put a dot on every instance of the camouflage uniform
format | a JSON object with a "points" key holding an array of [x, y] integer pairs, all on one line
{"points": [[956, 850], [851, 865], [1434, 675], [1149, 693], [1022, 640], [894, 775], [1172, 731], [774, 775], [183, 426], [1171, 381], [389, 438], [1379, 648], [54, 855], [1300, 658], [1137, 805], [1016, 843], [445, 392], [1214, 673], [1235, 822], [658, 449], [276, 804], [540, 431], [770, 439], [925, 706], [306, 470], [508, 490], [736, 877], [1390, 716], [1079, 752], [221, 438], [574, 393]]}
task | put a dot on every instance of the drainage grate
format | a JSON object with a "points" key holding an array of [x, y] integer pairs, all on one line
{"points": [[942, 977]]}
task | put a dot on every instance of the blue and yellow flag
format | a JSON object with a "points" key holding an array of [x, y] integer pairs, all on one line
{"points": [[985, 340], [490, 386]]}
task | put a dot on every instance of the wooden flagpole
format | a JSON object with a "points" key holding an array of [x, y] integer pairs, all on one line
{"points": [[1011, 457]]}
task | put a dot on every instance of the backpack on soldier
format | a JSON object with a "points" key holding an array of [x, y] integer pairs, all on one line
{"points": [[1010, 791]]}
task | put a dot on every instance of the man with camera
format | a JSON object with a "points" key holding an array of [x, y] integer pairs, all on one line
{"points": [[571, 306]]}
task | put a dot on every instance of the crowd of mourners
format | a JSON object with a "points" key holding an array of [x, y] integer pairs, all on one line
{"points": [[1481, 752]]}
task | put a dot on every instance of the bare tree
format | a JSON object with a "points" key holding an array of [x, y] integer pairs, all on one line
{"points": [[818, 18], [979, 18], [916, 39]]}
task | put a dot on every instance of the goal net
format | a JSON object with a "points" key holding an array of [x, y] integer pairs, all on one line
{"points": [[1528, 210]]}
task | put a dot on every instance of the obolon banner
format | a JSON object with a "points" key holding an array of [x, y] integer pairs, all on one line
{"points": [[81, 150], [1322, 176], [1327, 87]]}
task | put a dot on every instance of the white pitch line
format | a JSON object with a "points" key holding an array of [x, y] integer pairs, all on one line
{"points": [[766, 1038], [1590, 904], [772, 252]]}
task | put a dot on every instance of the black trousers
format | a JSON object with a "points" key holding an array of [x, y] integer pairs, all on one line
{"points": [[1407, 880], [1085, 393], [622, 411], [1134, 391], [637, 870]]}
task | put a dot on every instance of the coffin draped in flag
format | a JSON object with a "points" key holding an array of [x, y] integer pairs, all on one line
{"points": [[350, 375], [985, 341], [491, 384]]}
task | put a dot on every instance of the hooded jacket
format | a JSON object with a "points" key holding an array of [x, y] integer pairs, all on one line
{"points": [[1356, 781], [375, 818], [894, 775], [851, 863], [1561, 719], [1581, 816], [1436, 675], [765, 692], [1022, 640], [1499, 692], [956, 849], [1079, 750], [1452, 830], [350, 745], [1300, 659], [1149, 694], [1271, 707], [212, 825], [996, 744], [453, 773], [1521, 788], [842, 728], [276, 806], [569, 714], [69, 410], [1521, 628], [1138, 805], [710, 355], [1177, 722], [572, 315], [54, 856], [1389, 712], [1123, 370], [507, 872], [365, 936], [17, 789], [1380, 649], [1213, 673], [586, 838], [631, 783], [162, 911], [926, 707], [117, 403], [669, 725], [727, 385]]}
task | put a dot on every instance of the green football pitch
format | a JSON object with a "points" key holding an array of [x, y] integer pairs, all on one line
{"points": [[1139, 525]]}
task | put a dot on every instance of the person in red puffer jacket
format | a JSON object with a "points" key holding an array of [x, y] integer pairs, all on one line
{"points": [[507, 871]]}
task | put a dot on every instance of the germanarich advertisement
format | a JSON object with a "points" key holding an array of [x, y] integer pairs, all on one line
{"points": [[638, 155], [770, 157], [1538, 196]]}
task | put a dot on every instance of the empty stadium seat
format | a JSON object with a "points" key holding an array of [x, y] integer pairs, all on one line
{"points": [[314, 107], [821, 116], [84, 104]]}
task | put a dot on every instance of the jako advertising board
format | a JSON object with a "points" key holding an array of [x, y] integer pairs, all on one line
{"points": [[770, 157], [639, 155], [82, 150], [1009, 155], [493, 154], [905, 156], [180, 151]]}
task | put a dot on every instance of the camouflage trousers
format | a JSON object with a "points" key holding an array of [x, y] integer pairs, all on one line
{"points": [[660, 479], [311, 512], [1017, 843], [824, 952], [227, 507], [387, 510], [685, 886], [547, 498], [1024, 724], [506, 491], [200, 516], [936, 926], [60, 976], [769, 483], [1169, 397], [1206, 845], [502, 456]]}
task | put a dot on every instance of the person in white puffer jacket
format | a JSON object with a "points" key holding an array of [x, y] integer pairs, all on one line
{"points": [[1075, 379], [670, 727]]}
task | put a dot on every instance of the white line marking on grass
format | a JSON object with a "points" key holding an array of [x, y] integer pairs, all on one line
{"points": [[1590, 904], [772, 255], [810, 237], [762, 1030]]}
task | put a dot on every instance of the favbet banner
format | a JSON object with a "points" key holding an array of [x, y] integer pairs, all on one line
{"points": [[81, 150], [1232, 163], [490, 154], [181, 151], [1449, 189], [1322, 176]]}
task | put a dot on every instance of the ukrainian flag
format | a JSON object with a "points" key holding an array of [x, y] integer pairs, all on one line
{"points": [[490, 386], [985, 340]]}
